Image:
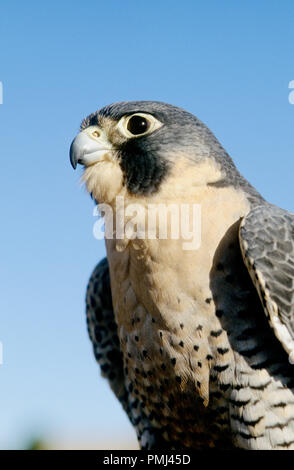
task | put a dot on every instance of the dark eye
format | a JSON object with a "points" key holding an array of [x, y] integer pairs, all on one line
{"points": [[138, 125]]}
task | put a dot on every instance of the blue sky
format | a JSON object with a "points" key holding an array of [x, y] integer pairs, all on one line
{"points": [[228, 62]]}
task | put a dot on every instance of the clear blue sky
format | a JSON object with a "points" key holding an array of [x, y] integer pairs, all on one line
{"points": [[228, 62]]}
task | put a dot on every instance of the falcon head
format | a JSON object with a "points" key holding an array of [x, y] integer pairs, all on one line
{"points": [[142, 147]]}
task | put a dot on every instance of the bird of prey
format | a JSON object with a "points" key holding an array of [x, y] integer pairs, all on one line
{"points": [[197, 344]]}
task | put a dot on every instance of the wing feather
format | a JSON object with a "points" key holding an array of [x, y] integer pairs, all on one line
{"points": [[267, 244]]}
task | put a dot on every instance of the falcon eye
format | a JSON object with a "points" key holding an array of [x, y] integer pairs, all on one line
{"points": [[138, 125], [96, 134]]}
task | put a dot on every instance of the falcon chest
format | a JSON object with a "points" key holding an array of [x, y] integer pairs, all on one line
{"points": [[165, 311]]}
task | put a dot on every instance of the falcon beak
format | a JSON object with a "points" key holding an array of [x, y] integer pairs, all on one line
{"points": [[90, 146]]}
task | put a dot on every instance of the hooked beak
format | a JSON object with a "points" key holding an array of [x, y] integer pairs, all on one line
{"points": [[90, 146]]}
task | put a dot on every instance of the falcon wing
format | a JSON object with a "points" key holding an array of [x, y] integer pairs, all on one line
{"points": [[267, 245]]}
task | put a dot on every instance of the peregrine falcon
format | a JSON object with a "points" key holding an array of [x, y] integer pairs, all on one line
{"points": [[197, 344]]}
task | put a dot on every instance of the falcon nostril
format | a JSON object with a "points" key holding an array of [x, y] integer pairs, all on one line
{"points": [[96, 134]]}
